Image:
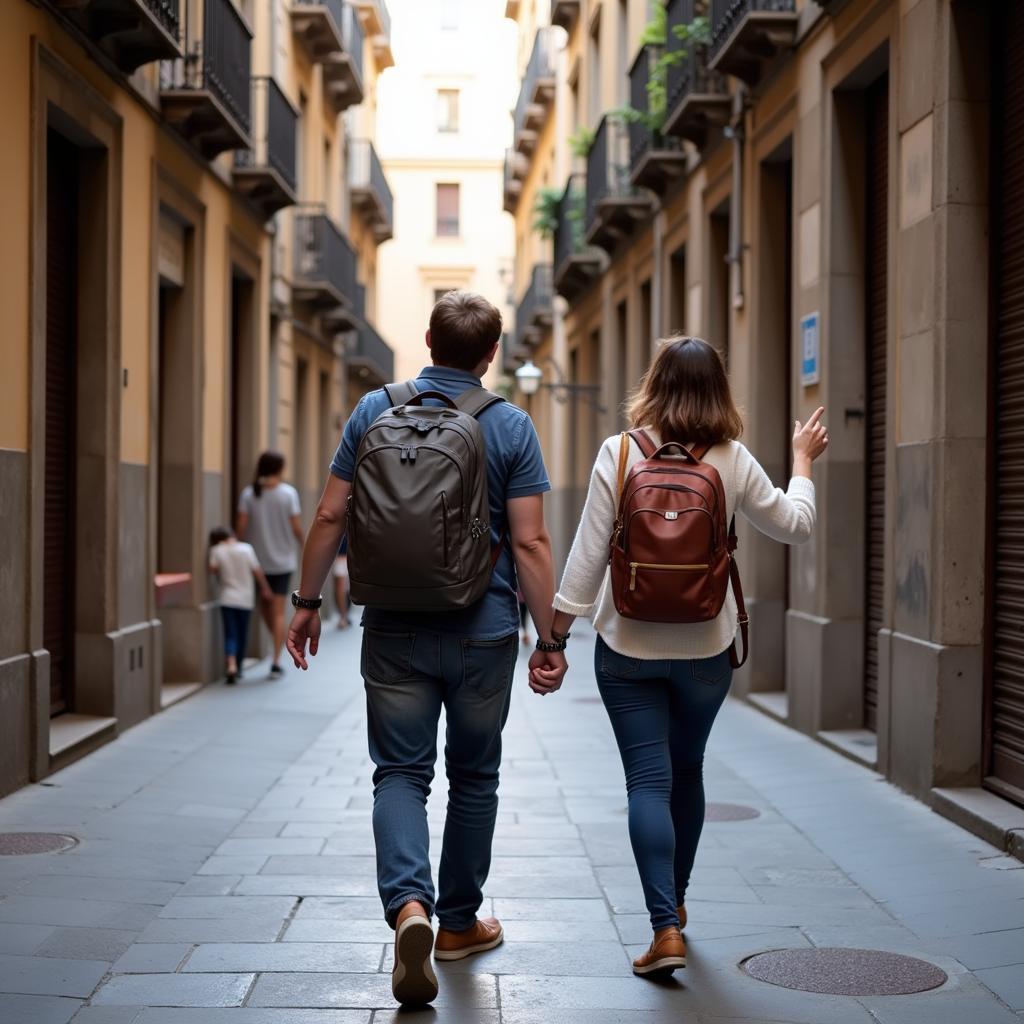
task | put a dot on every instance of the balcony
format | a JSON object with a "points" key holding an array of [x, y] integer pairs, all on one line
{"points": [[371, 356], [613, 206], [371, 194], [576, 264], [332, 34], [130, 32], [655, 160], [697, 98], [512, 355], [564, 13], [515, 172], [535, 312], [537, 93], [377, 25], [265, 174], [325, 266], [747, 34]]}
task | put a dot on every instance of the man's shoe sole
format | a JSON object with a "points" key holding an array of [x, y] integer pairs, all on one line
{"points": [[461, 954], [663, 965], [413, 981]]}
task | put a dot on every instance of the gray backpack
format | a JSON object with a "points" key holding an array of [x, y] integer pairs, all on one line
{"points": [[419, 521]]}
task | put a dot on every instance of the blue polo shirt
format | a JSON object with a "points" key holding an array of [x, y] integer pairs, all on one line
{"points": [[515, 469]]}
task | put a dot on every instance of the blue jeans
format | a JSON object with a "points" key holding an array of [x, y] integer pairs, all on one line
{"points": [[662, 713], [236, 630], [409, 677]]}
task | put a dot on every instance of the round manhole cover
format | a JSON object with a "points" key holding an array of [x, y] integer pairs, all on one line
{"points": [[845, 972], [730, 812], [19, 844]]}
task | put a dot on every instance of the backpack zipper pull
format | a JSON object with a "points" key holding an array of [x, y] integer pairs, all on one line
{"points": [[632, 575], [412, 453]]}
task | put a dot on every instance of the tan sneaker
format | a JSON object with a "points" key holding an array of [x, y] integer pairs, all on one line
{"points": [[681, 911], [484, 935], [667, 953], [413, 981]]}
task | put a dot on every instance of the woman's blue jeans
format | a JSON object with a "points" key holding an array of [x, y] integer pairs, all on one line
{"points": [[409, 677], [662, 713]]}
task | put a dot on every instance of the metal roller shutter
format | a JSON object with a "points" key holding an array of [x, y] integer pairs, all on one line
{"points": [[1005, 712], [58, 514], [876, 281]]}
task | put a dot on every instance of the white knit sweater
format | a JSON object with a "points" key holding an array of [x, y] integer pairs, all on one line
{"points": [[786, 516]]}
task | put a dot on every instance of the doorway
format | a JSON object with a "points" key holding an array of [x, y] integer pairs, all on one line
{"points": [[62, 194], [719, 305]]}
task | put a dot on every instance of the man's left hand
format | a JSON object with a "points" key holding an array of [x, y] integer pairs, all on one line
{"points": [[305, 626], [547, 670]]}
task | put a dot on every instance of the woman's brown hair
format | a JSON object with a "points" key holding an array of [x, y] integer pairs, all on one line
{"points": [[685, 395]]}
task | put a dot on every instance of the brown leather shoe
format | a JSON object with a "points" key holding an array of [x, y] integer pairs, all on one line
{"points": [[681, 911], [413, 981], [485, 934], [667, 953]]}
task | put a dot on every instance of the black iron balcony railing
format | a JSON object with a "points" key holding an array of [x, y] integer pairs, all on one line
{"points": [[325, 261], [369, 188], [613, 204], [267, 172], [512, 355], [537, 90], [332, 34], [167, 12], [319, 22], [353, 38], [130, 32], [206, 94], [654, 158], [536, 309], [576, 263], [371, 354], [745, 33], [695, 95]]}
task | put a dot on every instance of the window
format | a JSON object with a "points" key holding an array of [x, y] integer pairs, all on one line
{"points": [[440, 293], [450, 14], [447, 110], [447, 211]]}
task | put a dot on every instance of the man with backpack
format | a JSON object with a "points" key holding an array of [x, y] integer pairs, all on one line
{"points": [[440, 486]]}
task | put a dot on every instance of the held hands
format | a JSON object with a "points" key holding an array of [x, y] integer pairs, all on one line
{"points": [[810, 439], [547, 670], [305, 626]]}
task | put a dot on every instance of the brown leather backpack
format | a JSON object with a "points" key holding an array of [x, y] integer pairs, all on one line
{"points": [[672, 550]]}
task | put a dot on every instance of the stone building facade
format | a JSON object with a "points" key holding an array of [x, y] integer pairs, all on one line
{"points": [[831, 193], [189, 256]]}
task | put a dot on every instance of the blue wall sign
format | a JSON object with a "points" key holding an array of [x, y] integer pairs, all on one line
{"points": [[810, 350]]}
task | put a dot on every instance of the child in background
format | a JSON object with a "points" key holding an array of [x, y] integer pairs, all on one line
{"points": [[235, 565]]}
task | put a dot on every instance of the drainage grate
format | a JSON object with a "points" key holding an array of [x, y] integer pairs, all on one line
{"points": [[730, 812], [845, 972], [20, 844]]}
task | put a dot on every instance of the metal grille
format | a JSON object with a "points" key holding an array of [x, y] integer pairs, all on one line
{"points": [[373, 350], [535, 304], [274, 134], [540, 67], [367, 172], [1005, 713], [323, 255], [569, 230], [876, 277], [167, 14], [607, 166], [691, 74], [726, 15]]}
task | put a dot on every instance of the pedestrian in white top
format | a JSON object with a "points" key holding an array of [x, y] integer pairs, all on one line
{"points": [[664, 682], [269, 516], [235, 565]]}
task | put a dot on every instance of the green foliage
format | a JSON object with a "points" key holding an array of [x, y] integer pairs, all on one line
{"points": [[580, 143], [575, 216], [545, 211]]}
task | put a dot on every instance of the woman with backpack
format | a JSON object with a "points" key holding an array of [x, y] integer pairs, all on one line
{"points": [[662, 498], [269, 518]]}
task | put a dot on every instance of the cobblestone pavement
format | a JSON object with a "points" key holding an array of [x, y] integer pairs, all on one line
{"points": [[225, 875]]}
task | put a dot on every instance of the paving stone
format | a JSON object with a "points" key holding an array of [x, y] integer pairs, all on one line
{"points": [[525, 909], [23, 938], [293, 957], [332, 930], [17, 1009], [116, 890], [233, 866], [87, 943], [340, 908], [584, 956], [306, 885], [1006, 982], [574, 932], [614, 1017], [364, 990], [239, 929], [969, 1003], [452, 1015], [263, 847], [152, 958], [227, 907], [250, 1015], [174, 990], [108, 1015], [50, 976], [66, 912], [210, 885]]}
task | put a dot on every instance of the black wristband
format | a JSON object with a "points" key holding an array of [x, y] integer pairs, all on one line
{"points": [[310, 603], [552, 648]]}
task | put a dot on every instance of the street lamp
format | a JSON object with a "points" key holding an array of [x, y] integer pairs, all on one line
{"points": [[530, 378]]}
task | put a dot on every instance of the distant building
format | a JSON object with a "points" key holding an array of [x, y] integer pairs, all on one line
{"points": [[443, 126], [831, 193]]}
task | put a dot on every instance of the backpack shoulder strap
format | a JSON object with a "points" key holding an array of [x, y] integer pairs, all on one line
{"points": [[400, 394], [623, 461], [644, 442], [474, 400]]}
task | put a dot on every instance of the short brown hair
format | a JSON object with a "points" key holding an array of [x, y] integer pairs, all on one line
{"points": [[685, 395], [464, 327]]}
